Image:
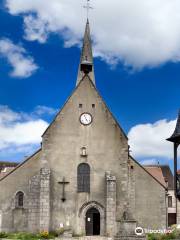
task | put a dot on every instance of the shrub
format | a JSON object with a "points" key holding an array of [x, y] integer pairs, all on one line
{"points": [[44, 234], [168, 236], [60, 231], [3, 235], [53, 234]]}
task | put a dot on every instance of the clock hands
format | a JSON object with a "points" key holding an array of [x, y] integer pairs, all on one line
{"points": [[86, 118]]}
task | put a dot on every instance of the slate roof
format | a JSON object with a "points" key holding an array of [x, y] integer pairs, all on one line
{"points": [[86, 55], [176, 135]]}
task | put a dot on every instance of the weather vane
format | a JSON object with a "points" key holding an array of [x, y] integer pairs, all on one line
{"points": [[88, 7]]}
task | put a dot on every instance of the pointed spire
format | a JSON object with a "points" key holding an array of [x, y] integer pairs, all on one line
{"points": [[176, 135], [86, 55]]}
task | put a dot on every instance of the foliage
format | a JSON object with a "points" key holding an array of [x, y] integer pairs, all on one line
{"points": [[29, 236], [3, 235], [22, 236], [44, 234], [175, 234], [53, 234], [60, 231]]}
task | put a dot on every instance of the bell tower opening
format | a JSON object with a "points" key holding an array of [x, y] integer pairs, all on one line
{"points": [[92, 222]]}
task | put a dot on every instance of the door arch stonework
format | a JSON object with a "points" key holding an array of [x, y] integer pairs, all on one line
{"points": [[82, 215]]}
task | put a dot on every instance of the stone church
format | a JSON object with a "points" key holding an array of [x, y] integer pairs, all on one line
{"points": [[83, 177]]}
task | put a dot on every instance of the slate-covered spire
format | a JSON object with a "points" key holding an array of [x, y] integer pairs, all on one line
{"points": [[176, 135], [86, 55]]}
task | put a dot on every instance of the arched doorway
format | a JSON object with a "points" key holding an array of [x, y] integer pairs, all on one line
{"points": [[92, 222]]}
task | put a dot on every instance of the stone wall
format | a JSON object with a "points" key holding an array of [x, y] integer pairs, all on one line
{"points": [[106, 148], [33, 206], [44, 199], [110, 204], [18, 180], [150, 200], [131, 188]]}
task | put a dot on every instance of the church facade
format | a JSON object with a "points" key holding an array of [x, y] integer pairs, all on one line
{"points": [[83, 177]]}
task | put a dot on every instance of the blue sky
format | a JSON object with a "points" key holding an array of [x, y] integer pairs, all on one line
{"points": [[136, 95]]}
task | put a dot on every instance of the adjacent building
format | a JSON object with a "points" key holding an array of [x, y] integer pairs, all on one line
{"points": [[6, 167], [164, 175]]}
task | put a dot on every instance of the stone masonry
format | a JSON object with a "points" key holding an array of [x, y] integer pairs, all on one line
{"points": [[34, 197], [44, 199], [110, 204]]}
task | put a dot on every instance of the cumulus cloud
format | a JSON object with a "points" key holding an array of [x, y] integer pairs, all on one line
{"points": [[151, 161], [23, 65], [16, 130], [149, 140], [20, 132], [136, 32], [41, 110]]}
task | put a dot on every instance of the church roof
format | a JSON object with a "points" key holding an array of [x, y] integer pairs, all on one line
{"points": [[176, 135], [86, 54]]}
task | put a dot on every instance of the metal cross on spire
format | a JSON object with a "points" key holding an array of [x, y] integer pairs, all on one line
{"points": [[88, 7]]}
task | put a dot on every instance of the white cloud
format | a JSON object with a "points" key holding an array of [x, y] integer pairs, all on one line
{"points": [[139, 33], [41, 110], [149, 140], [20, 131], [23, 65], [151, 161]]}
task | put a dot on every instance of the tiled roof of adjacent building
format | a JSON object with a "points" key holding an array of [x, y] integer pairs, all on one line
{"points": [[156, 172], [162, 173], [6, 167]]}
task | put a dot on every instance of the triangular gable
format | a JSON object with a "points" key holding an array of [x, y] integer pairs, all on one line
{"points": [[101, 100]]}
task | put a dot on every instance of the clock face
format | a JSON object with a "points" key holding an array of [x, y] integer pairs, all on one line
{"points": [[86, 118]]}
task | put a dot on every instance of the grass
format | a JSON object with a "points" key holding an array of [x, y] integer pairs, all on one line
{"points": [[28, 236]]}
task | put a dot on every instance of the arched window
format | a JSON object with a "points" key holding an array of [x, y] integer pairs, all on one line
{"points": [[83, 177], [19, 199]]}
